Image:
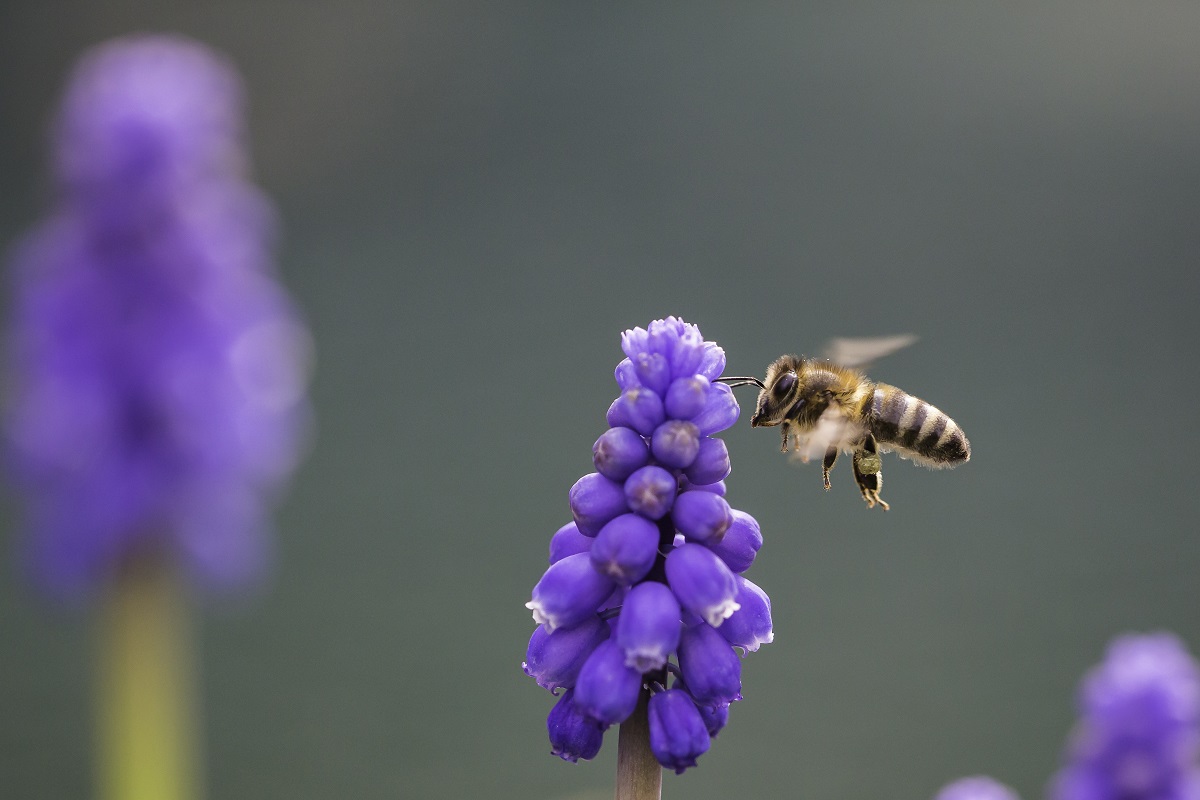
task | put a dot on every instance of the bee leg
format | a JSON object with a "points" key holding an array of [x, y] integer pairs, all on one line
{"points": [[830, 457], [785, 428], [868, 472]]}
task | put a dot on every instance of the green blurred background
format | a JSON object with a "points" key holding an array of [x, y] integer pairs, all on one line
{"points": [[478, 198]]}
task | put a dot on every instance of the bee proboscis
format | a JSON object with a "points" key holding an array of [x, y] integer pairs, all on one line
{"points": [[827, 406]]}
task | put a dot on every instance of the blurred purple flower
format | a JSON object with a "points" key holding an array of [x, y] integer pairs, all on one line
{"points": [[158, 369], [1139, 725], [658, 474], [976, 788]]}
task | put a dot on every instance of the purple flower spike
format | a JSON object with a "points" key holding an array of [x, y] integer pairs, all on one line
{"points": [[573, 734], [702, 582], [740, 543], [594, 501], [158, 370], [711, 464], [720, 410], [619, 452], [648, 559], [648, 628], [686, 396], [625, 548], [711, 669], [675, 443], [1139, 725], [638, 408], [749, 626], [568, 541], [977, 788], [651, 491], [606, 689], [554, 659], [678, 735], [568, 593], [702, 516]]}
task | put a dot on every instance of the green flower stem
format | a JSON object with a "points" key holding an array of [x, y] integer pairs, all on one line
{"points": [[639, 776], [146, 742]]}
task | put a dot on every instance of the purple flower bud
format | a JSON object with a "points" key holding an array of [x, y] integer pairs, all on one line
{"points": [[568, 593], [750, 625], [678, 734], [606, 689], [740, 543], [594, 501], [702, 516], [675, 443], [554, 659], [625, 375], [618, 452], [689, 352], [978, 788], [686, 396], [720, 410], [702, 582], [573, 734], [653, 371], [712, 361], [715, 717], [710, 667], [650, 491], [648, 628], [625, 548], [638, 408], [568, 541], [711, 463]]}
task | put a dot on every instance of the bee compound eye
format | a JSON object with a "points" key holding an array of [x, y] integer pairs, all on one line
{"points": [[785, 383]]}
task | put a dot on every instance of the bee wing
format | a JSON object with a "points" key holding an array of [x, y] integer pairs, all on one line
{"points": [[833, 429], [850, 352]]}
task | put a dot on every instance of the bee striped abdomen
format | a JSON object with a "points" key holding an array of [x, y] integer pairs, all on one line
{"points": [[916, 428]]}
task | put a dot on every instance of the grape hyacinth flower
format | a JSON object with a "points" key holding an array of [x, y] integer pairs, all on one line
{"points": [[650, 567], [156, 393], [1139, 729], [158, 369]]}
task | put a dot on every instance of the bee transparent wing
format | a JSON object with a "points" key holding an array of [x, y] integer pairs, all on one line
{"points": [[833, 429], [860, 352]]}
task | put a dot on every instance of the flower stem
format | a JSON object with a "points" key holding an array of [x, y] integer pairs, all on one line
{"points": [[639, 776], [145, 738]]}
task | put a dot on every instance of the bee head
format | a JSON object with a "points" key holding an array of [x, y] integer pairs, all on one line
{"points": [[779, 393]]}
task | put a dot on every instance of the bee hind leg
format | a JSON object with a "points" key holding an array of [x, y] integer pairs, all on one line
{"points": [[827, 464], [868, 472]]}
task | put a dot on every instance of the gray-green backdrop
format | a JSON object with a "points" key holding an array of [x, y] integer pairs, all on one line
{"points": [[478, 198]]}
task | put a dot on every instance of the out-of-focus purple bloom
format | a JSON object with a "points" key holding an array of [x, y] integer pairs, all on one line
{"points": [[678, 734], [977, 788], [659, 482], [554, 659], [157, 394], [1139, 725], [607, 689], [573, 734], [702, 582]]}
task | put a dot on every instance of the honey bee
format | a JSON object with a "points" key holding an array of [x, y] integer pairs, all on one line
{"points": [[827, 406]]}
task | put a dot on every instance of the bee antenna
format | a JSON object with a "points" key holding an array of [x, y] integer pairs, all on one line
{"points": [[741, 381]]}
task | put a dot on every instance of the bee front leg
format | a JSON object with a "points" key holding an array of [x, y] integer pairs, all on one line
{"points": [[827, 464], [868, 472], [785, 428]]}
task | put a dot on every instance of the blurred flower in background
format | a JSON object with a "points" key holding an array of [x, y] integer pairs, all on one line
{"points": [[650, 567], [157, 369], [977, 788]]}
